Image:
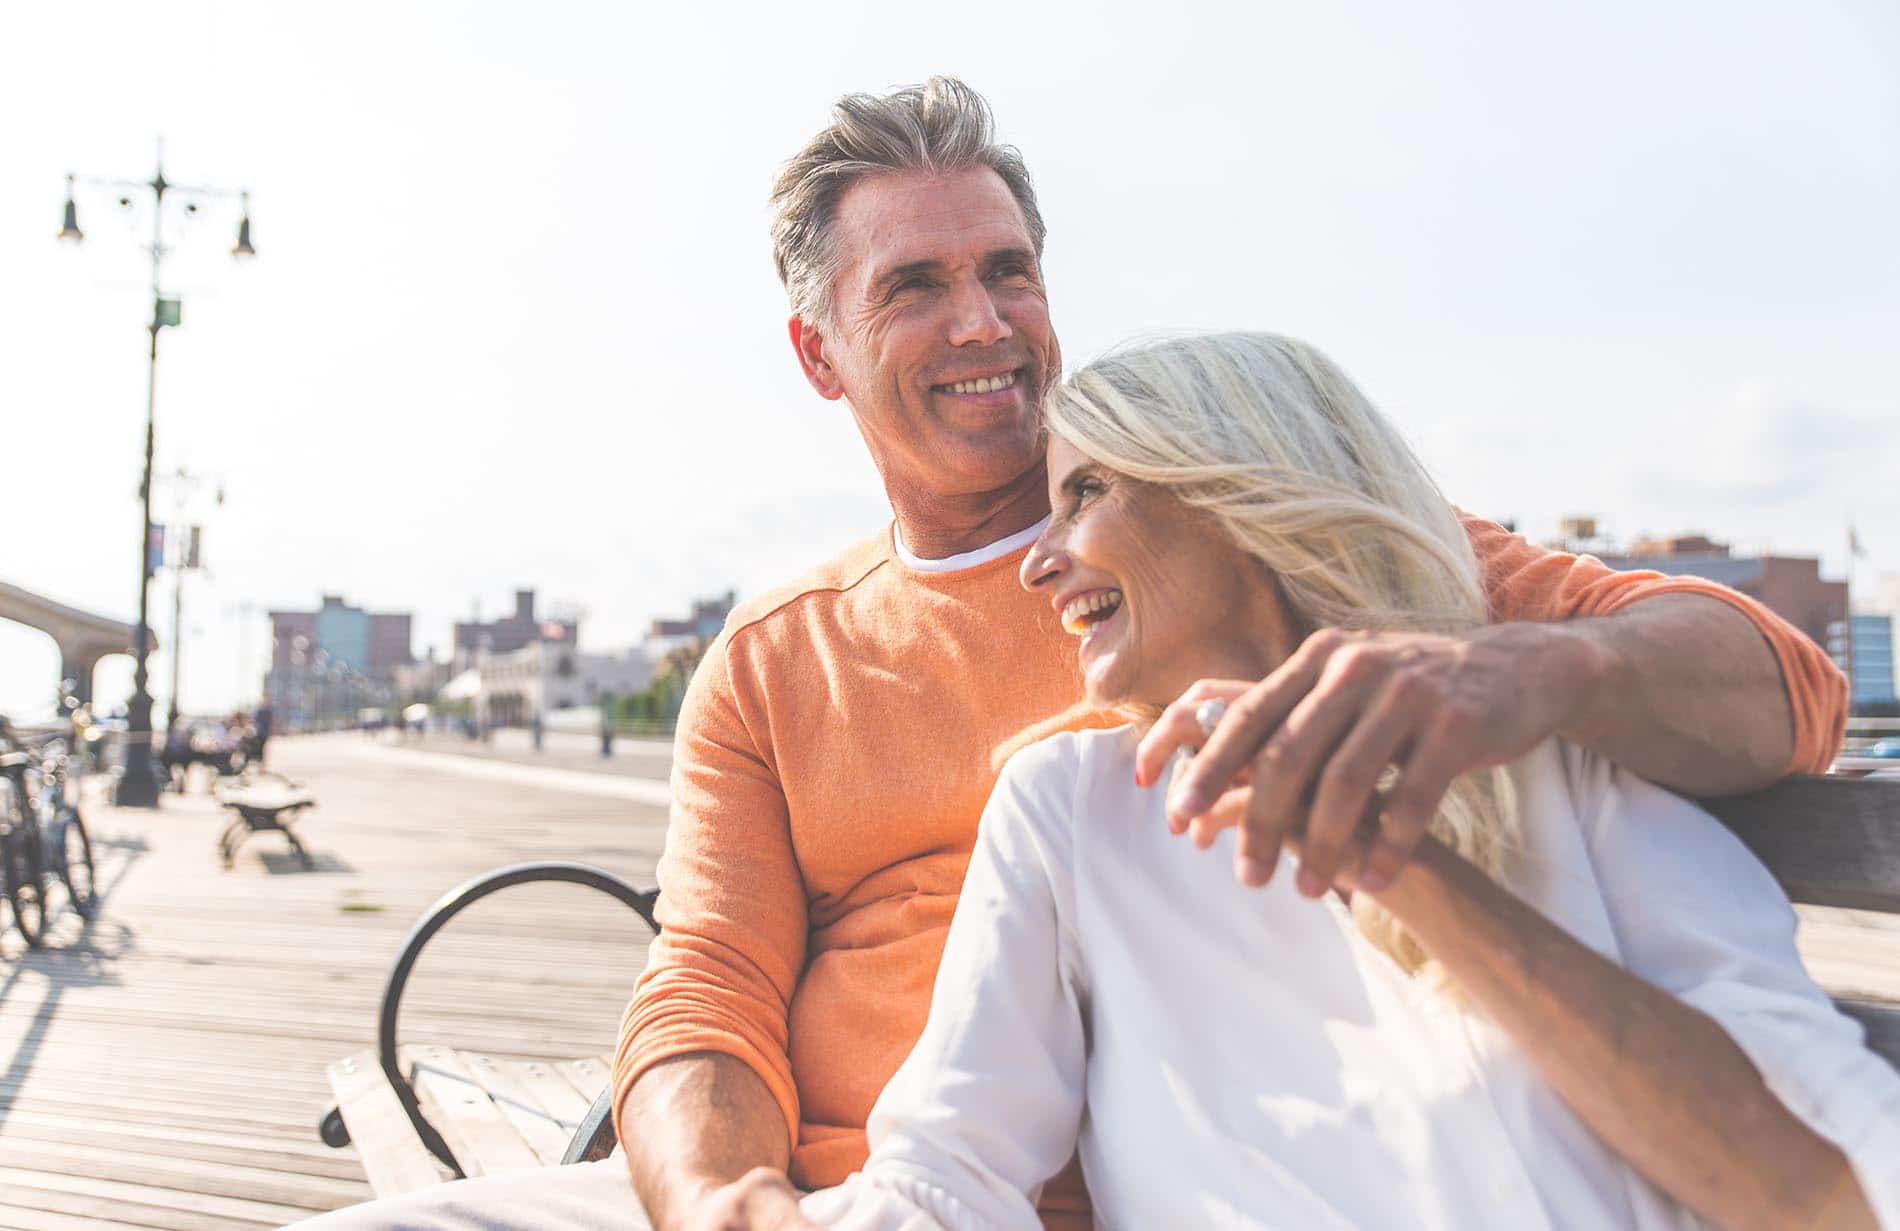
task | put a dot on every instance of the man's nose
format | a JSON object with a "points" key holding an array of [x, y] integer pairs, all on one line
{"points": [[975, 320]]}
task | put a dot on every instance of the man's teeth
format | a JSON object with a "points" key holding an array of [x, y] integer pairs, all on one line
{"points": [[986, 384], [1084, 611]]}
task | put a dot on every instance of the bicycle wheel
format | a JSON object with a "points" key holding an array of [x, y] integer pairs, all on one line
{"points": [[26, 883], [72, 860]]}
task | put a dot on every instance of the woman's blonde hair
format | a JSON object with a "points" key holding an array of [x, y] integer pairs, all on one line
{"points": [[1269, 438]]}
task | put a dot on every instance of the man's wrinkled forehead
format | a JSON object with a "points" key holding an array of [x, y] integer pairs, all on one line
{"points": [[888, 222]]}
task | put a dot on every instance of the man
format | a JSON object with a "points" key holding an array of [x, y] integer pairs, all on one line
{"points": [[836, 745]]}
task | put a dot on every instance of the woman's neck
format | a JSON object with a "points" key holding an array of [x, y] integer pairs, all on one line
{"points": [[1262, 636]]}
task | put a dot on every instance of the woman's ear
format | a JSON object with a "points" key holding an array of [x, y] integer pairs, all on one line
{"points": [[1292, 627], [810, 346]]}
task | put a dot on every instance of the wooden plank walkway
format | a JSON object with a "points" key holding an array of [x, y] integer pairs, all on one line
{"points": [[164, 1065]]}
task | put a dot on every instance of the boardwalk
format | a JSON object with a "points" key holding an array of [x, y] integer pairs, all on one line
{"points": [[164, 1065]]}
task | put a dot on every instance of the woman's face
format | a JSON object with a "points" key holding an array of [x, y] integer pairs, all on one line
{"points": [[1158, 594]]}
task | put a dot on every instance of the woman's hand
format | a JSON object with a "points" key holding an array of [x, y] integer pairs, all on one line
{"points": [[1178, 730], [1303, 751]]}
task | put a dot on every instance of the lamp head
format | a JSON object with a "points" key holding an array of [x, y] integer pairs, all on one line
{"points": [[243, 248], [69, 229]]}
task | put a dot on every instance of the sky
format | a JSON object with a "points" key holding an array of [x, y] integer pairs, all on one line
{"points": [[514, 322]]}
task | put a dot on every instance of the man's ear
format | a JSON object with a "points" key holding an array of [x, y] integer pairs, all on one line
{"points": [[810, 345]]}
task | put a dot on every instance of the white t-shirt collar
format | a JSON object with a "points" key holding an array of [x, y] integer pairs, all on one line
{"points": [[966, 559]]}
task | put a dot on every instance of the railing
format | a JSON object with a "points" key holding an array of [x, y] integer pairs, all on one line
{"points": [[586, 721], [1864, 731]]}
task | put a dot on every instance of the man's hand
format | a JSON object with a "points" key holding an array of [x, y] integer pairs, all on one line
{"points": [[760, 1200], [1303, 751]]}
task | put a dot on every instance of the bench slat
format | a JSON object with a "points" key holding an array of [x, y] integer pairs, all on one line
{"points": [[555, 1092], [588, 1076], [266, 800], [1829, 841], [393, 1156], [546, 1134], [478, 1134]]}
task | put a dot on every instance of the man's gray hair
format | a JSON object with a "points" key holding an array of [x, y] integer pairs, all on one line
{"points": [[939, 127]]}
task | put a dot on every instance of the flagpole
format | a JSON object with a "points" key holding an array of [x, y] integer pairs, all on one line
{"points": [[1853, 550]]}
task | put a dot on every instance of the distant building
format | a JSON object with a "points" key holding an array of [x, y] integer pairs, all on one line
{"points": [[332, 661], [544, 676], [1789, 586], [1866, 654], [708, 617], [512, 632], [423, 679], [549, 674], [1581, 534], [524, 665]]}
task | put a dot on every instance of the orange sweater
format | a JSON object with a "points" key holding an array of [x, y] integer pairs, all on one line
{"points": [[832, 760]]}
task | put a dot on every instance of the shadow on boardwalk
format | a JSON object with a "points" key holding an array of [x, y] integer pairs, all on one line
{"points": [[162, 1065], [76, 952]]}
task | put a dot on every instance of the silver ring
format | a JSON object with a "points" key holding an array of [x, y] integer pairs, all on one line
{"points": [[1207, 715]]}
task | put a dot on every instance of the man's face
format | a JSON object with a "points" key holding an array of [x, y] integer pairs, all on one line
{"points": [[940, 340]]}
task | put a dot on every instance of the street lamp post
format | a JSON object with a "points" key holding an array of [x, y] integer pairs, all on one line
{"points": [[138, 787], [182, 559]]}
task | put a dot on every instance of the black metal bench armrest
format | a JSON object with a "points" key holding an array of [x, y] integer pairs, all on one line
{"points": [[594, 1139], [447, 907]]}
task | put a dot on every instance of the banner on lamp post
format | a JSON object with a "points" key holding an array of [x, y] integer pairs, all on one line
{"points": [[155, 548]]}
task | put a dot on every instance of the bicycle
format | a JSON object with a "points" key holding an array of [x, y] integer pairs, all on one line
{"points": [[22, 854], [66, 846], [41, 831]]}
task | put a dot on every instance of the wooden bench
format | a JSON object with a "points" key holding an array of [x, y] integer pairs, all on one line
{"points": [[1835, 842], [424, 1114], [262, 802], [494, 1115]]}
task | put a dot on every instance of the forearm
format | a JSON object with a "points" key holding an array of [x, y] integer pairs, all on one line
{"points": [[1659, 1082], [1684, 690], [693, 1124]]}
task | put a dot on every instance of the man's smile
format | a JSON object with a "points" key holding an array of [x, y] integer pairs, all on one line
{"points": [[993, 382]]}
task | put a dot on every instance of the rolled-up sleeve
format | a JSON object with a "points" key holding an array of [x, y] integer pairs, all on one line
{"points": [[1697, 915], [1526, 582], [732, 902]]}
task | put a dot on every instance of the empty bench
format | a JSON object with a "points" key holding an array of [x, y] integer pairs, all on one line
{"points": [[263, 802]]}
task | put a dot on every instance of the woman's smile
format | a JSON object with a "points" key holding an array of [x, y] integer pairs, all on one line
{"points": [[1099, 617], [1089, 609]]}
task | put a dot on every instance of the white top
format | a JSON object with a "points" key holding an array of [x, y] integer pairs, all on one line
{"points": [[966, 559], [1241, 1058]]}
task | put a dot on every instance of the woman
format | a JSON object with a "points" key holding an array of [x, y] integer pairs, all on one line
{"points": [[1580, 1006]]}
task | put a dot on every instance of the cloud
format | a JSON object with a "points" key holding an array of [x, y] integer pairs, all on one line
{"points": [[1775, 452]]}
